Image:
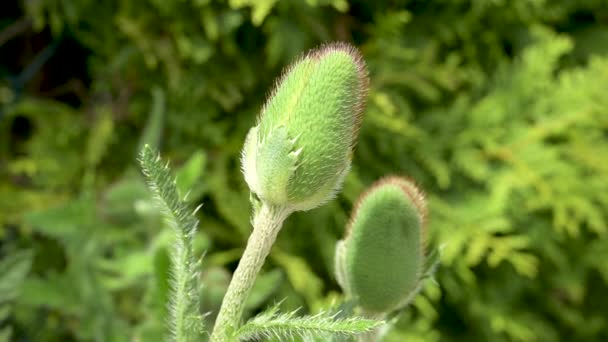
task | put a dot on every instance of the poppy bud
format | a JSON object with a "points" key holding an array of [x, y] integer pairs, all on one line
{"points": [[300, 150], [381, 260]]}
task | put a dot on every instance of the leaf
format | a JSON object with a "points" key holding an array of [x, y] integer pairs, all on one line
{"points": [[153, 131], [63, 221], [100, 138], [127, 270], [5, 335], [13, 270], [121, 199], [271, 323], [186, 322], [260, 9], [190, 174], [265, 285], [56, 292], [301, 277]]}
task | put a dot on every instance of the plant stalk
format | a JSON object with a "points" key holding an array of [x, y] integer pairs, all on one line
{"points": [[266, 225]]}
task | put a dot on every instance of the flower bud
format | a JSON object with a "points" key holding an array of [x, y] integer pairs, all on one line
{"points": [[300, 150], [381, 260]]}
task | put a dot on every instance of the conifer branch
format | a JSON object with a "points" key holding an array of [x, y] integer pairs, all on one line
{"points": [[271, 324], [185, 320]]}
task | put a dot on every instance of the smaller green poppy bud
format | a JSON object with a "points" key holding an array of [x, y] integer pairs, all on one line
{"points": [[381, 261], [300, 150]]}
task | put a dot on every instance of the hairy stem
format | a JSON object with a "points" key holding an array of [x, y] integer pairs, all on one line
{"points": [[375, 334], [181, 256], [371, 336], [185, 321], [266, 225]]}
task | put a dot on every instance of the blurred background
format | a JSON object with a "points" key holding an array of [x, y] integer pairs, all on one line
{"points": [[498, 109]]}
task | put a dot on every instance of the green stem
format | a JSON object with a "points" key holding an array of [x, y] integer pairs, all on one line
{"points": [[266, 225]]}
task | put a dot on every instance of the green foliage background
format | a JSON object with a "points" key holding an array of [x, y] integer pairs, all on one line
{"points": [[498, 109]]}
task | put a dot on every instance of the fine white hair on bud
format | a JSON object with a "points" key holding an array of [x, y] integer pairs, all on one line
{"points": [[301, 147]]}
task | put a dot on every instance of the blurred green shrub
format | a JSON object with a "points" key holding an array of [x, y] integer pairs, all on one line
{"points": [[497, 109]]}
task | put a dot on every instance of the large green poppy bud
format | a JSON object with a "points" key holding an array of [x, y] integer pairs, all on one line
{"points": [[381, 260], [300, 150]]}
